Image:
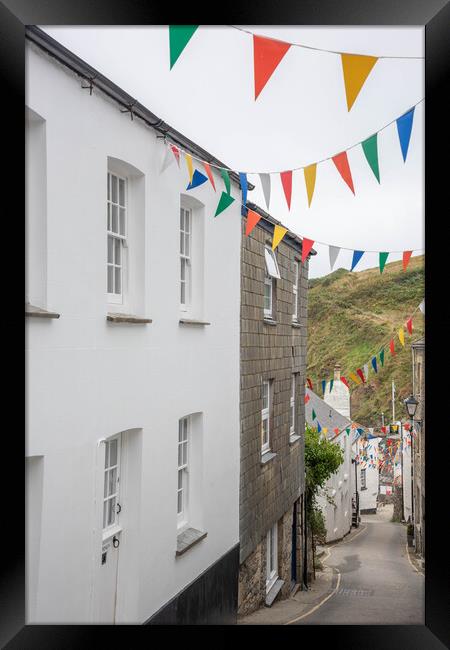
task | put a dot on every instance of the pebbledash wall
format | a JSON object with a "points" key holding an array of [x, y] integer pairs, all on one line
{"points": [[272, 349], [89, 378]]}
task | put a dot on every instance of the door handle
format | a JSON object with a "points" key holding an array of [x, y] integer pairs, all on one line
{"points": [[115, 541]]}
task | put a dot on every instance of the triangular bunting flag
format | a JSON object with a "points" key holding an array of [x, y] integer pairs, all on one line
{"points": [[226, 179], [286, 181], [189, 166], [334, 252], [265, 182], [278, 234], [383, 258], [313, 414], [325, 430], [307, 398], [324, 384], [354, 377], [382, 357], [409, 325], [244, 186], [406, 258], [167, 161], [309, 382], [267, 54], [391, 347], [225, 201], [347, 431], [361, 375], [331, 384], [197, 179], [341, 162], [344, 381], [366, 371], [401, 336], [422, 306], [374, 364], [404, 126], [179, 37], [310, 180], [356, 257], [336, 430], [319, 428], [370, 148], [356, 68], [210, 175], [307, 244], [252, 219], [176, 153]]}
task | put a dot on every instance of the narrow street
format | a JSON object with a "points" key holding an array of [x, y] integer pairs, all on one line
{"points": [[375, 582]]}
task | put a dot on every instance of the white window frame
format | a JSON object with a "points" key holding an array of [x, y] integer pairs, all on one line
{"points": [[185, 257], [271, 556], [292, 405], [184, 435], [271, 271], [265, 417], [110, 494], [118, 237], [295, 291], [268, 283]]}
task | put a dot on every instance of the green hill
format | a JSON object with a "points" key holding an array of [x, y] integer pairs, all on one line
{"points": [[350, 317]]}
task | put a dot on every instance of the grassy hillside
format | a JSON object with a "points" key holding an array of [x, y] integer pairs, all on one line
{"points": [[350, 317]]}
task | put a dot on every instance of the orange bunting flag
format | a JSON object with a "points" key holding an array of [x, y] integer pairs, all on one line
{"points": [[307, 244], [356, 69], [310, 181], [278, 234], [267, 54], [406, 258], [401, 336], [341, 162], [391, 347], [354, 377], [209, 174], [286, 180], [409, 325], [189, 166], [252, 219]]}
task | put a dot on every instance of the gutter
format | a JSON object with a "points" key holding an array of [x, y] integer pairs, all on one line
{"points": [[97, 80]]}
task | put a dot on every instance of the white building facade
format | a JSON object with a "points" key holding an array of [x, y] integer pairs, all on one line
{"points": [[132, 439], [369, 476]]}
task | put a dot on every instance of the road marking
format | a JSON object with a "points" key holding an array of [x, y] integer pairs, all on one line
{"points": [[319, 604]]}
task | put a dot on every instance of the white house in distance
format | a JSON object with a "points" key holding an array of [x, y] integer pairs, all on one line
{"points": [[132, 439], [369, 476]]}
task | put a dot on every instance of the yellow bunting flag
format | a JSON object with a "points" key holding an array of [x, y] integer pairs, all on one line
{"points": [[401, 336], [278, 234], [356, 69], [310, 180], [354, 377], [189, 166], [325, 430]]}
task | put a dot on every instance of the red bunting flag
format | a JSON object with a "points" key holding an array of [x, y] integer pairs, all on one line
{"points": [[252, 219], [341, 162], [407, 426], [309, 382], [209, 173], [383, 429], [344, 381], [336, 430], [286, 180], [307, 244], [176, 153], [391, 347], [267, 54], [361, 375], [406, 258], [409, 325], [307, 398]]}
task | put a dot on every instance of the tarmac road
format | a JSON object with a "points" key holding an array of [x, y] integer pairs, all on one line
{"points": [[376, 583]]}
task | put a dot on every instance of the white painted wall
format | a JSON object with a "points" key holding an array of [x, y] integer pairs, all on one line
{"points": [[368, 497], [88, 379], [406, 475]]}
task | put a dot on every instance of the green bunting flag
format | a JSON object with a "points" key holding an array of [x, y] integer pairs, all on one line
{"points": [[331, 384], [179, 37], [348, 431], [313, 414], [226, 179], [225, 201], [370, 149], [383, 258], [382, 357]]}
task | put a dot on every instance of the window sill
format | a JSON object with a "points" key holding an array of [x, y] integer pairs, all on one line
{"points": [[187, 539], [38, 312], [126, 318], [269, 321], [273, 592], [267, 457], [296, 325], [114, 530], [293, 439], [193, 321]]}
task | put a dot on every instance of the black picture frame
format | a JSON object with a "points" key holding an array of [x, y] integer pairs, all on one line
{"points": [[435, 16]]}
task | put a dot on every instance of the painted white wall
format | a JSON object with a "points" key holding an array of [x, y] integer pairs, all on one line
{"points": [[406, 476], [368, 497], [88, 379]]}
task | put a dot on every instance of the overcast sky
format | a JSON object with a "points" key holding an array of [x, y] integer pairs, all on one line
{"points": [[300, 117]]}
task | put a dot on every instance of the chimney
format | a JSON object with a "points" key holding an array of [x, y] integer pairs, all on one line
{"points": [[337, 372]]}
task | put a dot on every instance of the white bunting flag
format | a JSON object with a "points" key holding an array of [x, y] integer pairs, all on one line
{"points": [[168, 160], [366, 371], [422, 306], [265, 182], [334, 252]]}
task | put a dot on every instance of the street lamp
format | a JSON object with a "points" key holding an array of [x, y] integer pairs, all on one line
{"points": [[411, 405]]}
